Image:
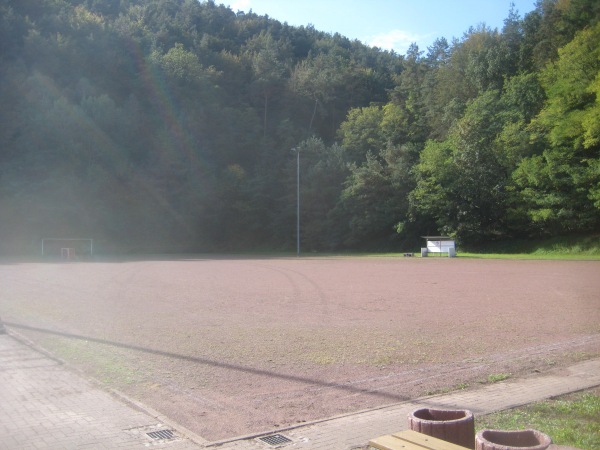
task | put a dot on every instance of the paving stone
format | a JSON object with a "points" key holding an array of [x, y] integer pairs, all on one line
{"points": [[46, 405]]}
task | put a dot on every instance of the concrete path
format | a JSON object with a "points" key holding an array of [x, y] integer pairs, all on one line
{"points": [[44, 404]]}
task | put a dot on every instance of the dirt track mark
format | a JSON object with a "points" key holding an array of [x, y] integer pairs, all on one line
{"points": [[298, 287]]}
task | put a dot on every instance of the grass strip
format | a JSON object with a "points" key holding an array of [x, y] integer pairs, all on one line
{"points": [[571, 420]]}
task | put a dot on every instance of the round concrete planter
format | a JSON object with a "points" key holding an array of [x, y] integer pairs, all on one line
{"points": [[512, 439], [451, 425]]}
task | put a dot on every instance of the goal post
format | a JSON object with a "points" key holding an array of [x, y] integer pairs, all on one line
{"points": [[68, 248]]}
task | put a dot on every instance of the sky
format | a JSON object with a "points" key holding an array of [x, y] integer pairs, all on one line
{"points": [[388, 24]]}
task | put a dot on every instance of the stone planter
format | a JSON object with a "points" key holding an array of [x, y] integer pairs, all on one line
{"points": [[455, 426], [512, 439]]}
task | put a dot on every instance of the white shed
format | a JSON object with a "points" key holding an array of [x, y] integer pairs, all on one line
{"points": [[439, 244]]}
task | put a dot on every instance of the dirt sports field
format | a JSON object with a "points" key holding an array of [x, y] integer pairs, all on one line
{"points": [[230, 346]]}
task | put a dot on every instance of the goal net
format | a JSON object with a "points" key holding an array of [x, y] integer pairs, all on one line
{"points": [[68, 248]]}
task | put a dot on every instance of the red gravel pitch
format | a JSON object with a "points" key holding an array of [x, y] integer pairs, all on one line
{"points": [[230, 346]]}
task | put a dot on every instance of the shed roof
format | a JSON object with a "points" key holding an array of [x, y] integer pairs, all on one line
{"points": [[439, 238]]}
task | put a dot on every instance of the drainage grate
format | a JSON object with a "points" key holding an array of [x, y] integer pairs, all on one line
{"points": [[161, 435], [275, 439]]}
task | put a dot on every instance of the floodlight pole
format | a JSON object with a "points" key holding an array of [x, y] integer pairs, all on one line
{"points": [[297, 150]]}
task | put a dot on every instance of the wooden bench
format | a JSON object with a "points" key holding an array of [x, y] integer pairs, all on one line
{"points": [[411, 440]]}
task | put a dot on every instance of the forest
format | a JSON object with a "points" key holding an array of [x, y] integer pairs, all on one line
{"points": [[177, 126]]}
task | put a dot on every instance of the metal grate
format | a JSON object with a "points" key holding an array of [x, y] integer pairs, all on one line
{"points": [[275, 439], [161, 435]]}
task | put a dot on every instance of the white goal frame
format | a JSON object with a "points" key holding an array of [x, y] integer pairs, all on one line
{"points": [[70, 250]]}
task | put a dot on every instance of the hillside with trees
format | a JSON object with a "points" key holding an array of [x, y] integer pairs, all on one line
{"points": [[168, 125]]}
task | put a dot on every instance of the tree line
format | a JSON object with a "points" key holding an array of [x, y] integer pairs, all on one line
{"points": [[168, 125]]}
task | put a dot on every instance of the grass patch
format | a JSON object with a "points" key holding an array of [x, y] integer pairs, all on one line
{"points": [[572, 420], [458, 387], [108, 365], [560, 247], [555, 256], [496, 377]]}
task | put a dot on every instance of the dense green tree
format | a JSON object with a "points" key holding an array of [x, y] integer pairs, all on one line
{"points": [[374, 201], [409, 99], [361, 132], [369, 200], [561, 185], [462, 181], [323, 171], [317, 78], [270, 62], [168, 124]]}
